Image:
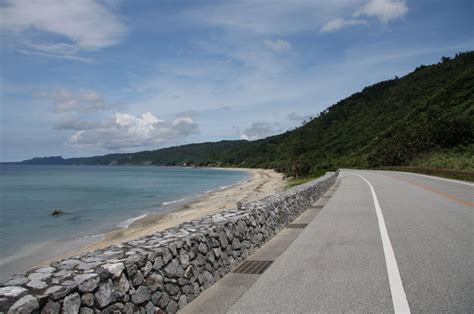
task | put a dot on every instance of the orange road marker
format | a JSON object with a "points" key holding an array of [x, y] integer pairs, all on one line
{"points": [[451, 197]]}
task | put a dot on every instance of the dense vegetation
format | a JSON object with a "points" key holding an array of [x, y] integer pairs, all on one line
{"points": [[425, 118]]}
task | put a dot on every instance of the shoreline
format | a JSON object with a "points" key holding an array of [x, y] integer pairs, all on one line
{"points": [[260, 183]]}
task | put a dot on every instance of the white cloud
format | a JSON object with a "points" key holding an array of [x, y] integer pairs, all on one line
{"points": [[259, 130], [85, 101], [277, 45], [237, 70], [384, 10], [187, 114], [73, 122], [56, 50], [245, 75], [86, 25], [293, 116], [339, 23], [126, 131], [269, 16]]}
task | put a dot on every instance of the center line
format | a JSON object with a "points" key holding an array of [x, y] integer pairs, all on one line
{"points": [[399, 298]]}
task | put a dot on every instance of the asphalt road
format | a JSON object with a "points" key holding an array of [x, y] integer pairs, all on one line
{"points": [[385, 241]]}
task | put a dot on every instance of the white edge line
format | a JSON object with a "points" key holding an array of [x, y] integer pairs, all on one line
{"points": [[437, 178], [399, 298]]}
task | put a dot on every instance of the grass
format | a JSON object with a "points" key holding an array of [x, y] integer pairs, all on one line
{"points": [[297, 181], [460, 158], [445, 173], [458, 174]]}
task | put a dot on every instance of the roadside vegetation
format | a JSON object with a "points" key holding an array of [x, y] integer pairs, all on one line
{"points": [[292, 182], [459, 158], [446, 173]]}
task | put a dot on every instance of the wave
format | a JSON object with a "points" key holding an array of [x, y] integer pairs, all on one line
{"points": [[124, 224], [224, 187], [171, 202], [100, 235]]}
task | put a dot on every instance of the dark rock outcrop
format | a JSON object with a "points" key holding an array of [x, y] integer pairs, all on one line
{"points": [[56, 213]]}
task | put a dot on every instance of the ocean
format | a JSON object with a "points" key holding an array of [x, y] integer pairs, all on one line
{"points": [[94, 199]]}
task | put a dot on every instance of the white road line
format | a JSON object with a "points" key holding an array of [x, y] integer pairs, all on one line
{"points": [[437, 178], [399, 298]]}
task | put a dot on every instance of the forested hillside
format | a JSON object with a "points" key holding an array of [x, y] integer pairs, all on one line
{"points": [[424, 118]]}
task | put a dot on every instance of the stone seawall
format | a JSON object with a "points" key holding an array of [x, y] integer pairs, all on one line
{"points": [[160, 272]]}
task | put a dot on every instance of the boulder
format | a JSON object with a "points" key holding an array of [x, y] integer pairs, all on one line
{"points": [[72, 304], [37, 284], [27, 304], [182, 302], [154, 281], [173, 269], [123, 285], [57, 292], [88, 299], [106, 294], [56, 213], [115, 269], [51, 308], [11, 292], [17, 281], [172, 307], [141, 295], [87, 282]]}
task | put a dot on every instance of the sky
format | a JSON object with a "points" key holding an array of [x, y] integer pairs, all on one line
{"points": [[91, 77]]}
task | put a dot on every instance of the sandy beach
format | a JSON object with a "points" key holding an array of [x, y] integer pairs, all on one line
{"points": [[261, 182]]}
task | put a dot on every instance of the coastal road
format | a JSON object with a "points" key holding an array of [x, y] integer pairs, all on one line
{"points": [[383, 242]]}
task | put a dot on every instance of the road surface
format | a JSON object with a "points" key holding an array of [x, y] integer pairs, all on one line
{"points": [[383, 242]]}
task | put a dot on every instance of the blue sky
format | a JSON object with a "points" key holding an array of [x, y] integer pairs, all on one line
{"points": [[87, 77]]}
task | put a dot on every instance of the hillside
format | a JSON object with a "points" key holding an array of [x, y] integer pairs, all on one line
{"points": [[425, 118]]}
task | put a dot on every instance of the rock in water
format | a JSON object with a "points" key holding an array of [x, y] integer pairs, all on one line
{"points": [[57, 212]]}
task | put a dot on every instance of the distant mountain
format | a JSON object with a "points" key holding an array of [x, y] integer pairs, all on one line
{"points": [[424, 118], [53, 160]]}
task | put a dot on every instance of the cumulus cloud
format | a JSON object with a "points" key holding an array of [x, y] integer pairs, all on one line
{"points": [[85, 101], [384, 10], [277, 45], [339, 23], [86, 25], [259, 130], [98, 124], [126, 131]]}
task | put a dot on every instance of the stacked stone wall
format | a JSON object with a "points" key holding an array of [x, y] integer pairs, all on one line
{"points": [[160, 272]]}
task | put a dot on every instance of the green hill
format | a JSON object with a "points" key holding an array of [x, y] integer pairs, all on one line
{"points": [[425, 118]]}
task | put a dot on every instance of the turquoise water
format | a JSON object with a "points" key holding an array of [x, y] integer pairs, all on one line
{"points": [[95, 199]]}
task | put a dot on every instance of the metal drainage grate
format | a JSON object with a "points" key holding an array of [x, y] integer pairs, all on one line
{"points": [[252, 267], [318, 206], [297, 226], [326, 196]]}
